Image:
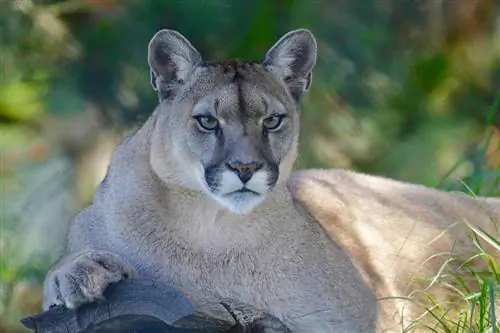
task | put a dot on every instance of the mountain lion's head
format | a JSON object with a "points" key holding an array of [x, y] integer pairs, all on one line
{"points": [[229, 128]]}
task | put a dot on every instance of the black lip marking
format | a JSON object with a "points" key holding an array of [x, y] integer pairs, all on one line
{"points": [[243, 190], [212, 177], [273, 175]]}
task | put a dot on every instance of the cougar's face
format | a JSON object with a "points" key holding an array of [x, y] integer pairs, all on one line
{"points": [[238, 137], [229, 128]]}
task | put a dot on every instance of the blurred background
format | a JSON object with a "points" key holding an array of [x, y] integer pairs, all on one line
{"points": [[405, 89]]}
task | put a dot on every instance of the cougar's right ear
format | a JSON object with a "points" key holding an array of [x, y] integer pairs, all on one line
{"points": [[293, 58], [171, 59]]}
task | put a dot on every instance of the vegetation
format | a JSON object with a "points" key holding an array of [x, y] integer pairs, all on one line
{"points": [[406, 89], [472, 300]]}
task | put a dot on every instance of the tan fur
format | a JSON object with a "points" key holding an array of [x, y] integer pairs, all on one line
{"points": [[314, 248]]}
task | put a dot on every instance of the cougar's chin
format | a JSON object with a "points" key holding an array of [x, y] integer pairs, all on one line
{"points": [[239, 202], [236, 196]]}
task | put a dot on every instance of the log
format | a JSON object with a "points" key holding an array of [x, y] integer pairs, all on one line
{"points": [[132, 305]]}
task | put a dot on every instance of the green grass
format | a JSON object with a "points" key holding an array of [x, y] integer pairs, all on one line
{"points": [[471, 295]]}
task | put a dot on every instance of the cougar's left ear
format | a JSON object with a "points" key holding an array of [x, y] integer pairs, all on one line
{"points": [[293, 58], [172, 59]]}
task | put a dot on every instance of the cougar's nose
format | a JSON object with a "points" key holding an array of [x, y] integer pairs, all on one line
{"points": [[244, 171]]}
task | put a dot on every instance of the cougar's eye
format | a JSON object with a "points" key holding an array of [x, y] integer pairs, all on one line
{"points": [[273, 123], [207, 123]]}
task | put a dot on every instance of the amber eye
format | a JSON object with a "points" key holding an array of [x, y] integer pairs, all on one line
{"points": [[207, 123], [273, 123]]}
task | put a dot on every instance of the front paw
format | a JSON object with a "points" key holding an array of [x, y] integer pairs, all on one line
{"points": [[84, 278], [251, 320]]}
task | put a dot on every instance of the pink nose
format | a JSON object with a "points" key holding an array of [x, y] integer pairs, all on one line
{"points": [[244, 171]]}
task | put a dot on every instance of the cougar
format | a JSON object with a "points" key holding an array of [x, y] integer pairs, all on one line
{"points": [[203, 196]]}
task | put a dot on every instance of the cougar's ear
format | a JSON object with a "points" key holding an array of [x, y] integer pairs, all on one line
{"points": [[172, 59], [293, 58]]}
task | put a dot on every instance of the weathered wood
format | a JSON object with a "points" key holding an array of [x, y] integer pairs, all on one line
{"points": [[130, 306]]}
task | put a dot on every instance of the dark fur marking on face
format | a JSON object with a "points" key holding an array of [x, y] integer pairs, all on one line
{"points": [[269, 157], [221, 142], [274, 174], [219, 156], [238, 80], [216, 105], [212, 176]]}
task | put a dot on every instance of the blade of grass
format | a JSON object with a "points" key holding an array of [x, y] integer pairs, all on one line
{"points": [[482, 307], [491, 289], [484, 235]]}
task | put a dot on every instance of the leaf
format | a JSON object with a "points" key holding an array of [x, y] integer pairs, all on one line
{"points": [[20, 101]]}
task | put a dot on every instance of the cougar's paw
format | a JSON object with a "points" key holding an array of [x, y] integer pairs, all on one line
{"points": [[83, 278], [251, 320]]}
